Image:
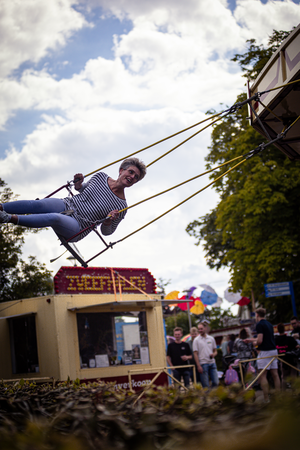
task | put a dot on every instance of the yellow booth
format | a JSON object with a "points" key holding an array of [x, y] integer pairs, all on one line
{"points": [[101, 323]]}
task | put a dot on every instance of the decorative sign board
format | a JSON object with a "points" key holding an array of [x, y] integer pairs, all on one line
{"points": [[280, 289], [98, 280], [277, 289]]}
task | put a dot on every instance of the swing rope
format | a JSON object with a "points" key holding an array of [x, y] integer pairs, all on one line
{"points": [[220, 116], [233, 108], [182, 202], [155, 143], [110, 245], [166, 212], [181, 184], [246, 157], [251, 153], [186, 140], [217, 117]]}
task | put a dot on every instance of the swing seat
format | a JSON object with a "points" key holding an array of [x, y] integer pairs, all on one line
{"points": [[67, 244]]}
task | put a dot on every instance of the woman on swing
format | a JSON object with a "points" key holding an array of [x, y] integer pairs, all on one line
{"points": [[100, 198]]}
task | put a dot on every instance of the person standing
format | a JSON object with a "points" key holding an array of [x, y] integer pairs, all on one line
{"points": [[205, 350], [243, 350], [285, 345], [296, 328], [230, 345], [179, 354], [266, 347]]}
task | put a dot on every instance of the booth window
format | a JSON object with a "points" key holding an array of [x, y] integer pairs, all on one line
{"points": [[24, 354], [107, 339]]}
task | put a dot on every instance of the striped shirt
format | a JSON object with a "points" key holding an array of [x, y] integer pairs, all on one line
{"points": [[93, 203]]}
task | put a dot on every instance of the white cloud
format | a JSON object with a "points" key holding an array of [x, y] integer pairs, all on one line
{"points": [[140, 74], [273, 15], [178, 67], [31, 28]]}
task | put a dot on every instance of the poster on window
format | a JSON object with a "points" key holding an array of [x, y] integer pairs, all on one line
{"points": [[123, 339], [145, 355], [131, 334], [127, 357], [136, 354]]}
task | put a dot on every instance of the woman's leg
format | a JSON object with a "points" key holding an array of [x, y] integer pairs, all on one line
{"points": [[42, 213], [65, 226], [46, 205]]}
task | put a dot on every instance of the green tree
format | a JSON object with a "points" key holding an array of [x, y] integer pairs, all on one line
{"points": [[218, 317], [180, 320], [19, 279], [254, 230]]}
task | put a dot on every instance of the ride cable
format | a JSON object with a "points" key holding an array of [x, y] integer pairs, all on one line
{"points": [[214, 119], [246, 157]]}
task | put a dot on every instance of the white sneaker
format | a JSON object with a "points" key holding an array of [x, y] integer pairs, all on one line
{"points": [[4, 217]]}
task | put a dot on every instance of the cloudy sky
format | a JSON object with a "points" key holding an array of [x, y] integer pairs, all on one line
{"points": [[84, 83]]}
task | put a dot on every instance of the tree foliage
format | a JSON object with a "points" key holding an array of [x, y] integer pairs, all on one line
{"points": [[218, 317], [19, 279], [254, 230], [180, 320]]}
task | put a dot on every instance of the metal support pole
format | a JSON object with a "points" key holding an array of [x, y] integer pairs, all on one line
{"points": [[293, 298], [189, 315]]}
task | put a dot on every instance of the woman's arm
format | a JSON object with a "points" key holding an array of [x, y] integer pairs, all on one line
{"points": [[107, 227], [78, 180]]}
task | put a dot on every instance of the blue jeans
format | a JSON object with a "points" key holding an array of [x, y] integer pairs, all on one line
{"points": [[185, 373], [209, 371], [44, 213]]}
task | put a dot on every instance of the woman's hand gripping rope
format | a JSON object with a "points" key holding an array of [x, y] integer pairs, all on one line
{"points": [[78, 180], [112, 215]]}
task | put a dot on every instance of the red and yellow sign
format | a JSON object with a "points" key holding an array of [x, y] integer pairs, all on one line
{"points": [[98, 280]]}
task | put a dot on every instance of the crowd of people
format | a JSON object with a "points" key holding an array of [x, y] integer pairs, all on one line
{"points": [[201, 350]]}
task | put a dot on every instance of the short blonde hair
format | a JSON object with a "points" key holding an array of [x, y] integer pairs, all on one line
{"points": [[137, 163]]}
